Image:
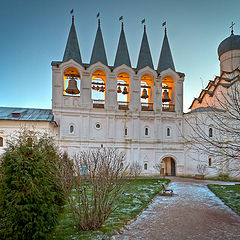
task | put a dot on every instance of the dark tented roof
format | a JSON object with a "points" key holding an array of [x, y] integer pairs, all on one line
{"points": [[72, 50], [144, 58], [122, 55], [165, 59], [98, 52], [26, 114]]}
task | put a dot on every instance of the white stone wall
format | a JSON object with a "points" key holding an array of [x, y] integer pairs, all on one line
{"points": [[10, 128], [79, 112]]}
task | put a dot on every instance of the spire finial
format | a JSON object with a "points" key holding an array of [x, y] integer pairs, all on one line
{"points": [[98, 16], [71, 12], [143, 22], [165, 24], [232, 28], [121, 19]]}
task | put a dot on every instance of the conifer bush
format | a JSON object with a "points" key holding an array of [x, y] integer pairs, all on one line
{"points": [[31, 193]]}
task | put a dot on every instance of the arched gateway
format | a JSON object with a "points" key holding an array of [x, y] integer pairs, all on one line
{"points": [[169, 166]]}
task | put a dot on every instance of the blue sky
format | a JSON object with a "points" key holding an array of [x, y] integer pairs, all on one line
{"points": [[34, 33]]}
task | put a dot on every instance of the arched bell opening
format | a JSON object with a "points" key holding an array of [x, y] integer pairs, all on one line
{"points": [[123, 90], [146, 93], [98, 92], [71, 82], [168, 94], [168, 166]]}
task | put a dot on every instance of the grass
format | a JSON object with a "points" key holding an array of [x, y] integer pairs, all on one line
{"points": [[138, 194], [229, 194]]}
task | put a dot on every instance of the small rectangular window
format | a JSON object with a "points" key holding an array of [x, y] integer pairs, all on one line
{"points": [[146, 131], [168, 132], [210, 132], [145, 166], [1, 142], [125, 132], [209, 161]]}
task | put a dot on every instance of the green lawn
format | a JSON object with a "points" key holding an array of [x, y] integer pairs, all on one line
{"points": [[138, 194], [229, 194]]}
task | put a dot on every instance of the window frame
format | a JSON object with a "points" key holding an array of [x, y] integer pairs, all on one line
{"points": [[71, 131], [145, 166], [168, 133], [210, 132], [146, 131]]}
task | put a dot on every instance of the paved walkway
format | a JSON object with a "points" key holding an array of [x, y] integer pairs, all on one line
{"points": [[193, 213]]}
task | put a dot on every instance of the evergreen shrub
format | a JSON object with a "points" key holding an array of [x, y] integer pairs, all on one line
{"points": [[31, 195]]}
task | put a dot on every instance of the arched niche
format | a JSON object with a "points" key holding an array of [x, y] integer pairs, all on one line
{"points": [[98, 86], [146, 93], [71, 82], [168, 93], [123, 90], [169, 166]]}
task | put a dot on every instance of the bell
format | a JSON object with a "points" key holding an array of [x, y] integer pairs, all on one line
{"points": [[97, 88], [166, 97], [144, 94], [101, 89], [119, 90], [93, 87], [72, 87], [125, 91]]}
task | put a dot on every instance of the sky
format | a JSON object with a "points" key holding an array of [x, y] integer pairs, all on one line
{"points": [[34, 33]]}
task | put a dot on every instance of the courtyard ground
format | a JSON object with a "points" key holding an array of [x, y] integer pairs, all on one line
{"points": [[193, 212]]}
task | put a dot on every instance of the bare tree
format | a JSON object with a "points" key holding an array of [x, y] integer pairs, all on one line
{"points": [[135, 169], [64, 173], [158, 166], [215, 129], [96, 193]]}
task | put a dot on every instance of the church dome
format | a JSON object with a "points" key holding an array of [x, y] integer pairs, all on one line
{"points": [[228, 44]]}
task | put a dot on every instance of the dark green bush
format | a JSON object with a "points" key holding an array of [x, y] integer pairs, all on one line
{"points": [[31, 195]]}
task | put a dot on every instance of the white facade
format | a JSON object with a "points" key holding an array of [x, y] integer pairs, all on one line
{"points": [[148, 129], [120, 128]]}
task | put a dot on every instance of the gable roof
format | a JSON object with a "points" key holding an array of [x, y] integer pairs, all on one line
{"points": [[26, 114]]}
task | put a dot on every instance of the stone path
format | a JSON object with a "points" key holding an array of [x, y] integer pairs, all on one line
{"points": [[194, 212]]}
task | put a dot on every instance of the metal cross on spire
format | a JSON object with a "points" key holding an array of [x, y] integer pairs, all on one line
{"points": [[121, 20], [71, 12], [164, 24], [98, 17], [232, 27]]}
